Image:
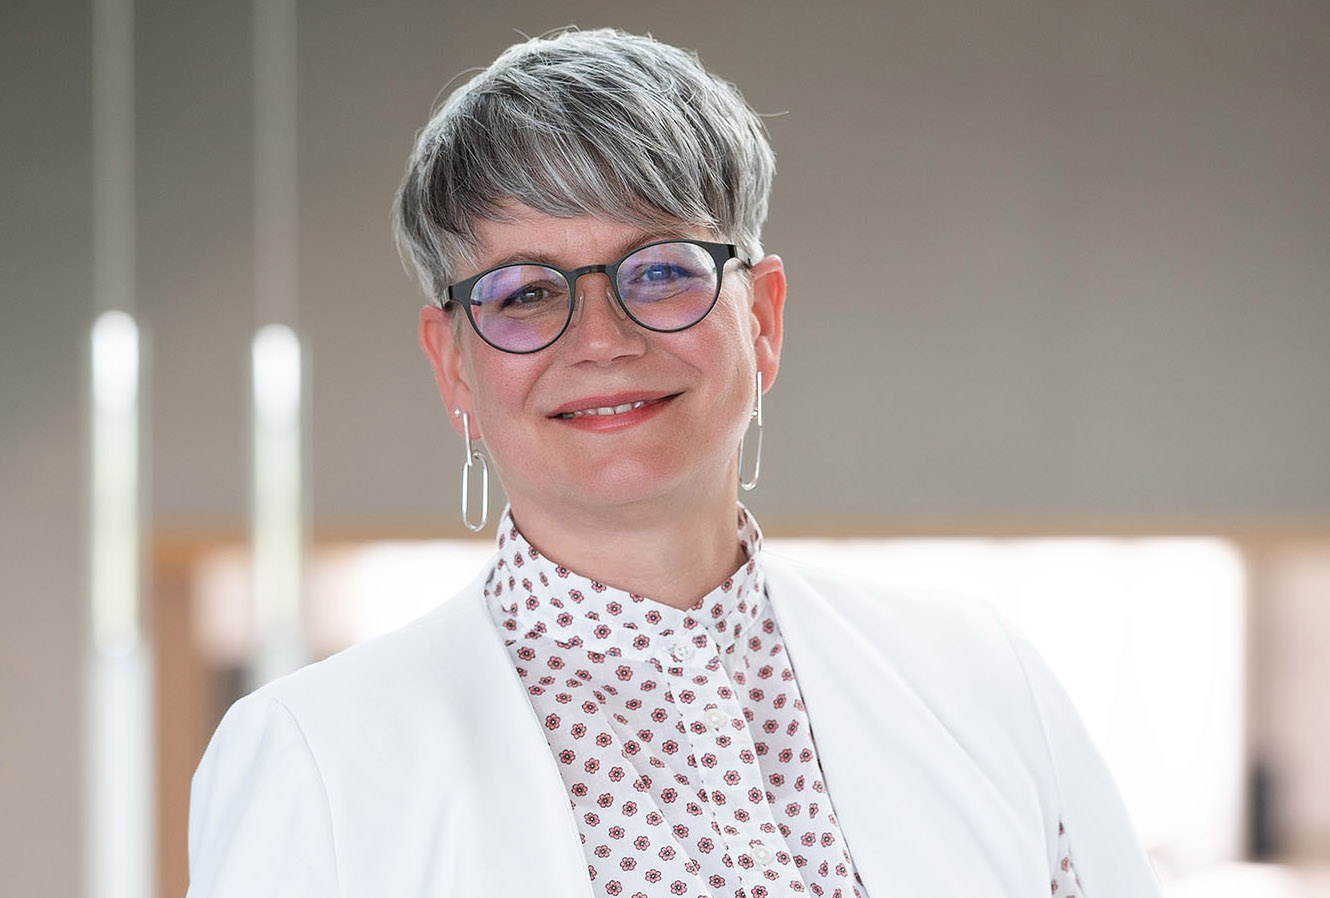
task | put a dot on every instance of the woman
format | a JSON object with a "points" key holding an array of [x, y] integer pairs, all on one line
{"points": [[633, 699]]}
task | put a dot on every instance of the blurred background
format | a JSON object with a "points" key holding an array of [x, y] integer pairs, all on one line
{"points": [[1057, 334]]}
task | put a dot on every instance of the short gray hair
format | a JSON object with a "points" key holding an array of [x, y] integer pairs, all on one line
{"points": [[601, 123]]}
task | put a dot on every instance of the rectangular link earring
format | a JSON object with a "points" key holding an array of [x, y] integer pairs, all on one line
{"points": [[473, 455], [757, 456]]}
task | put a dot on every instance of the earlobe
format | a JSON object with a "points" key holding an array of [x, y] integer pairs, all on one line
{"points": [[438, 340], [768, 280]]}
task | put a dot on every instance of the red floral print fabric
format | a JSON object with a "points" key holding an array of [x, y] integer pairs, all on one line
{"points": [[1065, 884]]}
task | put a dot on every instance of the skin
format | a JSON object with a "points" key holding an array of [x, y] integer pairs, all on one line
{"points": [[646, 501]]}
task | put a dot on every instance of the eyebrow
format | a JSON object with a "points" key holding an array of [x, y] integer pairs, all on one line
{"points": [[641, 238]]}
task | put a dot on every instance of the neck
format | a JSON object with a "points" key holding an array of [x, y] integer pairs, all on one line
{"points": [[673, 557]]}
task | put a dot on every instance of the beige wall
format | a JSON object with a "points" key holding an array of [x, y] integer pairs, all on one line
{"points": [[1048, 262], [45, 311]]}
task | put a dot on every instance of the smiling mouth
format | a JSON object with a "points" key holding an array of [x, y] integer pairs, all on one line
{"points": [[607, 411]]}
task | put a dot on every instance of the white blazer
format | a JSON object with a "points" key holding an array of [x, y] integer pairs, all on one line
{"points": [[413, 765]]}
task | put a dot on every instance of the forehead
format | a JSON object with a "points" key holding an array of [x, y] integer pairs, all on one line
{"points": [[528, 235]]}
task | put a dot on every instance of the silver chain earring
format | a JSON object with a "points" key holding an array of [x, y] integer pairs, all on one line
{"points": [[473, 455], [757, 456]]}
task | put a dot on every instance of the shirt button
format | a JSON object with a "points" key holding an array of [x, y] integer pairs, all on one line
{"points": [[682, 651], [762, 854], [716, 718]]}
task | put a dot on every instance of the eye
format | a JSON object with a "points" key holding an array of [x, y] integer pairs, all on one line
{"points": [[526, 295], [520, 291], [662, 271]]}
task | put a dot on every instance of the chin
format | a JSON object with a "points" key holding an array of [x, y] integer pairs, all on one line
{"points": [[622, 483], [630, 484]]}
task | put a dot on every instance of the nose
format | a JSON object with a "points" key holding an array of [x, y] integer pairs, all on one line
{"points": [[600, 330]]}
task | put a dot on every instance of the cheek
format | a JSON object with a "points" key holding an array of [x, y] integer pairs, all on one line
{"points": [[735, 333], [740, 323], [490, 382], [503, 390]]}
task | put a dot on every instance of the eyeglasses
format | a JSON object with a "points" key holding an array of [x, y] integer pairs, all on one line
{"points": [[666, 286]]}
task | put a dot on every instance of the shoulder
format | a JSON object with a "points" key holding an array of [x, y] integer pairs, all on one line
{"points": [[953, 652], [360, 752], [400, 696], [948, 658], [956, 651], [417, 658]]}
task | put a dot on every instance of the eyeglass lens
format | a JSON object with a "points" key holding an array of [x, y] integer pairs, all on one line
{"points": [[663, 287]]}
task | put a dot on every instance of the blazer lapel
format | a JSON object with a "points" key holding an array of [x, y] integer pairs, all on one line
{"points": [[918, 814], [528, 842]]}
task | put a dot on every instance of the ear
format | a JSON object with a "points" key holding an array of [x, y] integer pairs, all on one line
{"points": [[768, 315], [442, 346]]}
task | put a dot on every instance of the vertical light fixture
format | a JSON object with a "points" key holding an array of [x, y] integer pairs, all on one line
{"points": [[115, 586], [277, 531], [118, 748]]}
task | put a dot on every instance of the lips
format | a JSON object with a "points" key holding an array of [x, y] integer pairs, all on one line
{"points": [[608, 406], [605, 410]]}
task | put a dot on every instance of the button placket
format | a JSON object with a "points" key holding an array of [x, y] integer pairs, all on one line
{"points": [[752, 837]]}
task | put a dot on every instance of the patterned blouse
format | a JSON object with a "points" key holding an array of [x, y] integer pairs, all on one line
{"points": [[680, 734]]}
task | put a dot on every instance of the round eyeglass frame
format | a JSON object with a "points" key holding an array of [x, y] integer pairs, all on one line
{"points": [[720, 253]]}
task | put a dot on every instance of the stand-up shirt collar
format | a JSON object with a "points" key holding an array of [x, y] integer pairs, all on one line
{"points": [[534, 593]]}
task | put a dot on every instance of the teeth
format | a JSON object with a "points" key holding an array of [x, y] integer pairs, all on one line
{"points": [[605, 410]]}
